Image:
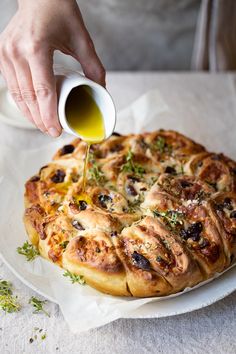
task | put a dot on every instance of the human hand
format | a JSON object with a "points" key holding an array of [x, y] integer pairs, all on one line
{"points": [[26, 56]]}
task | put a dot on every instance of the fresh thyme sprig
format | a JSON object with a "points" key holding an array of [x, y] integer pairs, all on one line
{"points": [[94, 171], [38, 305], [5, 287], [28, 250], [74, 278], [96, 174], [171, 217], [8, 302], [131, 166], [64, 244], [161, 145]]}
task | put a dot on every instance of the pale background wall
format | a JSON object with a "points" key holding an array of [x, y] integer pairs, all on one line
{"points": [[134, 34]]}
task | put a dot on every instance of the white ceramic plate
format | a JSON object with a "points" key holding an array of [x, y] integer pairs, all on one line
{"points": [[13, 234], [9, 112]]}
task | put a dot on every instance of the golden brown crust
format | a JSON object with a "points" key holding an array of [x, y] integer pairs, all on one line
{"points": [[159, 213]]}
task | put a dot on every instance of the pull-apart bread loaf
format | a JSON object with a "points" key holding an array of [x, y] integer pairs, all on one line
{"points": [[159, 213]]}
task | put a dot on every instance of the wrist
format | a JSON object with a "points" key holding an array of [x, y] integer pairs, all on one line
{"points": [[35, 3]]}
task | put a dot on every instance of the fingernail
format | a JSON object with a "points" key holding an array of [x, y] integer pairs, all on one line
{"points": [[53, 132]]}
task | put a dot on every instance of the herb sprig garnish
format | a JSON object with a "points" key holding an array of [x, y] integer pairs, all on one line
{"points": [[38, 305], [161, 145], [8, 302], [171, 217], [29, 251], [94, 171], [131, 166], [74, 278], [64, 244]]}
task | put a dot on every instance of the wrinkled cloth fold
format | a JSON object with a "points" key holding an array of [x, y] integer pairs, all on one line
{"points": [[215, 39]]}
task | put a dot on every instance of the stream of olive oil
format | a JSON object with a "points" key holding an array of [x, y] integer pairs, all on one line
{"points": [[85, 118]]}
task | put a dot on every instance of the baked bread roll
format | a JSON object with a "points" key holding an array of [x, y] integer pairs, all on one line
{"points": [[159, 213]]}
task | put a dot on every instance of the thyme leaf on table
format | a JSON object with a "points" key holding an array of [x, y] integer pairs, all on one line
{"points": [[38, 305], [74, 278], [28, 250], [8, 302]]}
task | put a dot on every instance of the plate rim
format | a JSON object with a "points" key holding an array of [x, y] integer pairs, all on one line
{"points": [[195, 306]]}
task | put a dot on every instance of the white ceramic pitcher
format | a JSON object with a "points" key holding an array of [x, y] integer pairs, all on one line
{"points": [[66, 82]]}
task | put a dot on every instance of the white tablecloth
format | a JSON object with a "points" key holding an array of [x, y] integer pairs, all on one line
{"points": [[210, 330]]}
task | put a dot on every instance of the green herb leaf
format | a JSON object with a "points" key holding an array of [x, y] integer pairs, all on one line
{"points": [[181, 170], [5, 287], [96, 174], [130, 166], [94, 171], [29, 251], [43, 336], [171, 217], [38, 305], [8, 302], [64, 244], [161, 145], [74, 278]]}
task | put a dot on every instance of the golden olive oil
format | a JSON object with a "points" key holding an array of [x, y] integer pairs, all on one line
{"points": [[85, 167], [85, 118], [84, 115]]}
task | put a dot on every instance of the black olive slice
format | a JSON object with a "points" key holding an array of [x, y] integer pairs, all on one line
{"points": [[82, 204], [133, 178], [227, 204], [219, 207], [140, 261], [171, 170], [131, 190], [67, 149], [185, 184], [58, 177], [192, 232], [77, 225], [233, 171], [233, 214], [104, 199]]}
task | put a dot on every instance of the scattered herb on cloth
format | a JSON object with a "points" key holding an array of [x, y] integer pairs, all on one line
{"points": [[28, 250], [8, 302], [75, 278], [38, 305]]}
